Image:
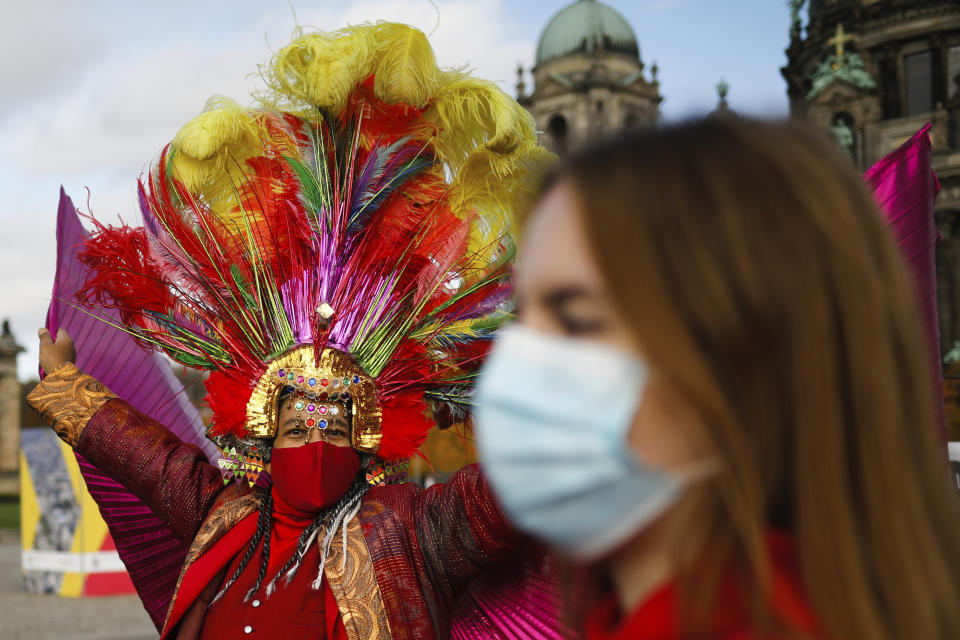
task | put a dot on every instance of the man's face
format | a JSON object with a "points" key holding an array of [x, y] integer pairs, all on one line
{"points": [[297, 427]]}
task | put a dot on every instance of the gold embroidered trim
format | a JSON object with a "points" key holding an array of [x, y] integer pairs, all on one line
{"points": [[354, 586], [67, 399], [221, 519], [334, 366]]}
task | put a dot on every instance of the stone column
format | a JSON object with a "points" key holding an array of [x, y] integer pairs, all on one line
{"points": [[9, 412]]}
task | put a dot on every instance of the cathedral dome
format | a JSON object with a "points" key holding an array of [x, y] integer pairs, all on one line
{"points": [[586, 26]]}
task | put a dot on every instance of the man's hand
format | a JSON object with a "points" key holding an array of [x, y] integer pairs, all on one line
{"points": [[53, 353]]}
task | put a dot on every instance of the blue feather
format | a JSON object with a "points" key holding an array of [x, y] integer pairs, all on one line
{"points": [[385, 171]]}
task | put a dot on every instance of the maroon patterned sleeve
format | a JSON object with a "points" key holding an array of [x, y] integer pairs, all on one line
{"points": [[171, 477], [461, 529]]}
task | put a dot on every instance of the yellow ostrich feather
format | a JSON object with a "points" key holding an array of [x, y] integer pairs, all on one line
{"points": [[222, 122], [320, 70], [406, 69], [210, 154], [210, 150], [471, 113], [485, 141], [498, 196]]}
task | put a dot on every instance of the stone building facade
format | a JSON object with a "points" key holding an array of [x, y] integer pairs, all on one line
{"points": [[588, 78], [10, 399], [873, 72]]}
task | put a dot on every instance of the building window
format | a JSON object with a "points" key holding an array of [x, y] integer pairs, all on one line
{"points": [[918, 77], [953, 72], [889, 88], [557, 129]]}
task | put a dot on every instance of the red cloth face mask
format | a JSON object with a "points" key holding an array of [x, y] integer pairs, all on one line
{"points": [[314, 476]]}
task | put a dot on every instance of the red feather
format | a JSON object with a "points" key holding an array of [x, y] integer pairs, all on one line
{"points": [[123, 274], [227, 397], [407, 422], [383, 123], [406, 416]]}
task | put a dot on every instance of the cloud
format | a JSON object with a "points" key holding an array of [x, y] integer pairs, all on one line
{"points": [[124, 115], [492, 48], [107, 90], [41, 47], [124, 112]]}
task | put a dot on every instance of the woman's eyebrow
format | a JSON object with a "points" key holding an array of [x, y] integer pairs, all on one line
{"points": [[560, 296]]}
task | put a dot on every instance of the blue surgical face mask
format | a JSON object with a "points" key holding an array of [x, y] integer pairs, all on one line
{"points": [[552, 416]]}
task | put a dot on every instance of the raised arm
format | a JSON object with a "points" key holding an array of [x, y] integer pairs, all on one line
{"points": [[171, 477], [461, 530]]}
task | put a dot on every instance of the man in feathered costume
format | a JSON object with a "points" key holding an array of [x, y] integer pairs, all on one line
{"points": [[338, 259]]}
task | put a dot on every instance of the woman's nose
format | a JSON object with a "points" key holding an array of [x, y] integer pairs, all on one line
{"points": [[315, 435]]}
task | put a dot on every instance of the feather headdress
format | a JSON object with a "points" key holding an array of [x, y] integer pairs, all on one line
{"points": [[350, 237]]}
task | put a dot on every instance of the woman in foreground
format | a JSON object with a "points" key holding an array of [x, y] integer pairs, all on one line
{"points": [[726, 410]]}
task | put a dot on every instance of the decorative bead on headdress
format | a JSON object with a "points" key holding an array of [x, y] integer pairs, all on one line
{"points": [[349, 237]]}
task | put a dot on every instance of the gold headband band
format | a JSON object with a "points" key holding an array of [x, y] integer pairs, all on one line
{"points": [[336, 377]]}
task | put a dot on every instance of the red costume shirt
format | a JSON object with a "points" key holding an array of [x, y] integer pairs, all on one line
{"points": [[402, 573], [656, 618], [293, 610]]}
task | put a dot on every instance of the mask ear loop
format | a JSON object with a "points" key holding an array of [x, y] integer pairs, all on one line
{"points": [[697, 471]]}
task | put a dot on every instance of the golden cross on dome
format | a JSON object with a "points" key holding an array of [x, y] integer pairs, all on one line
{"points": [[839, 40]]}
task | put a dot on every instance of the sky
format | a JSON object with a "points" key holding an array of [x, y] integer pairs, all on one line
{"points": [[91, 91]]}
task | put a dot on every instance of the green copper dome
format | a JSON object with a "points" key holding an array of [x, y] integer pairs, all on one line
{"points": [[586, 26]]}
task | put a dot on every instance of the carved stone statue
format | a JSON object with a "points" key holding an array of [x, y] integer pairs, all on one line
{"points": [[723, 89], [843, 135]]}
